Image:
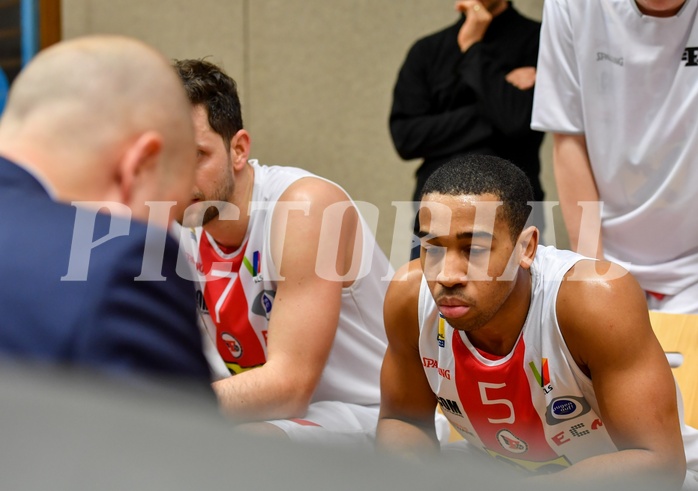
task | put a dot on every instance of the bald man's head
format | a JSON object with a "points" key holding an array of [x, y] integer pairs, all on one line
{"points": [[102, 118]]}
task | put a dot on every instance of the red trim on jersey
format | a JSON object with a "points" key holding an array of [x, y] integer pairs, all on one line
{"points": [[489, 356], [502, 394], [236, 339]]}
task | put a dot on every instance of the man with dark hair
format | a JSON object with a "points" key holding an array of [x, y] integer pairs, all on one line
{"points": [[534, 354], [293, 292], [468, 89]]}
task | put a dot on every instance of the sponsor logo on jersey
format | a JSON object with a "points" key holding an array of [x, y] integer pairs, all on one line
{"points": [[450, 406], [432, 363], [511, 443], [578, 430], [560, 438], [441, 335], [190, 259], [254, 267], [445, 373], [606, 57], [565, 408], [193, 262], [263, 303], [232, 344], [690, 56], [542, 376], [429, 362]]}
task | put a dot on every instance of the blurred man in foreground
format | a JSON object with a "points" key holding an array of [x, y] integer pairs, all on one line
{"points": [[96, 156]]}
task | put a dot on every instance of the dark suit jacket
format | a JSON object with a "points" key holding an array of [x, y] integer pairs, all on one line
{"points": [[108, 321]]}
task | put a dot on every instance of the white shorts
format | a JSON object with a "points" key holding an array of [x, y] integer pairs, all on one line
{"points": [[334, 423], [684, 302], [342, 423]]}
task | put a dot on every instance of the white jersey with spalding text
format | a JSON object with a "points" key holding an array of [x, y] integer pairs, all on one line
{"points": [[237, 306], [628, 82], [534, 407]]}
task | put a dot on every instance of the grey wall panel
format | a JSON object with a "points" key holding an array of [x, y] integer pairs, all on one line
{"points": [[315, 77], [179, 28], [321, 78]]}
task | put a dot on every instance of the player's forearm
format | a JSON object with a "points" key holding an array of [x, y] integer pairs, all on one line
{"points": [[438, 135], [575, 183], [505, 106], [259, 396], [403, 438]]}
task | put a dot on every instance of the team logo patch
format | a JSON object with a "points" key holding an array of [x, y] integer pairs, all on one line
{"points": [[263, 302], [254, 267], [511, 443], [232, 344], [563, 409], [542, 376]]}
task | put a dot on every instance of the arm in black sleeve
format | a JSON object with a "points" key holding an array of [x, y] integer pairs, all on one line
{"points": [[505, 106], [418, 127]]}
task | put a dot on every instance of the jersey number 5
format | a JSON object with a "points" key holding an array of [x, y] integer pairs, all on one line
{"points": [[496, 402]]}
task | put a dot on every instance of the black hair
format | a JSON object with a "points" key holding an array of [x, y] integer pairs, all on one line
{"points": [[208, 85], [486, 174]]}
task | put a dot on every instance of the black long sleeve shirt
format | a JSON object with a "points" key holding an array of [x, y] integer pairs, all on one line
{"points": [[448, 103]]}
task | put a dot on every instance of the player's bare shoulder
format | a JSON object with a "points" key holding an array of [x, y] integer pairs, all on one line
{"points": [[315, 191], [403, 293], [590, 284], [409, 274], [599, 302]]}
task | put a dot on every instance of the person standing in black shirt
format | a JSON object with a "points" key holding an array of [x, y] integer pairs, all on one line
{"points": [[469, 89]]}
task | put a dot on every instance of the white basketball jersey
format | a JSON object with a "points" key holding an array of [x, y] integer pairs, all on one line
{"points": [[627, 81], [533, 408], [239, 295]]}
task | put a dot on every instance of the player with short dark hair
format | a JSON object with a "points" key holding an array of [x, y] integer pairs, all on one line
{"points": [[539, 357]]}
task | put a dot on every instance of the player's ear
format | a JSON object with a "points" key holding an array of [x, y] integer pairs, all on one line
{"points": [[240, 149], [138, 165], [528, 244]]}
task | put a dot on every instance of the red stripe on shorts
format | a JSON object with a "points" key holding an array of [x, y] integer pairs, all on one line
{"points": [[304, 422]]}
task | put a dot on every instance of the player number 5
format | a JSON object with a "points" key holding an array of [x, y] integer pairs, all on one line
{"points": [[492, 402]]}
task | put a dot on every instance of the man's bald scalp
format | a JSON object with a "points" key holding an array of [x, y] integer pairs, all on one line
{"points": [[111, 79]]}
